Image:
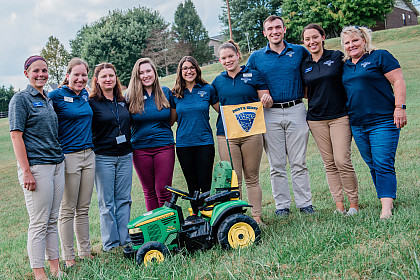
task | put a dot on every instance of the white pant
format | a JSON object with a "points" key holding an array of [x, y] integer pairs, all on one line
{"points": [[287, 138], [43, 205]]}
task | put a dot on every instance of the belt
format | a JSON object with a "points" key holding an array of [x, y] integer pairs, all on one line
{"points": [[287, 104]]}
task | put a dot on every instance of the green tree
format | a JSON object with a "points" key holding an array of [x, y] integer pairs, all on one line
{"points": [[332, 15], [57, 57], [163, 48], [5, 96], [118, 38], [247, 17], [190, 30]]}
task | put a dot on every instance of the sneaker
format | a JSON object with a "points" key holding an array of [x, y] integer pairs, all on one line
{"points": [[352, 211], [307, 210], [338, 211], [283, 212]]}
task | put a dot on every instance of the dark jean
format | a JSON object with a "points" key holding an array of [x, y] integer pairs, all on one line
{"points": [[377, 144]]}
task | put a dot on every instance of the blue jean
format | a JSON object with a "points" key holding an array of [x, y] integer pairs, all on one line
{"points": [[377, 145], [113, 177]]}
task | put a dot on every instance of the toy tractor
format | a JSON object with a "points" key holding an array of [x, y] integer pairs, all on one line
{"points": [[220, 219]]}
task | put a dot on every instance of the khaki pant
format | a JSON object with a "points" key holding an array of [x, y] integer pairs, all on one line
{"points": [[74, 209], [333, 138], [246, 156], [43, 204]]}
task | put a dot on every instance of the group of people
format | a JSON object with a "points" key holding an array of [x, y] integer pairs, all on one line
{"points": [[68, 141]]}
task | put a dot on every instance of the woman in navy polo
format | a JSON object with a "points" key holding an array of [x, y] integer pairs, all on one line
{"points": [[34, 132], [376, 92], [152, 138], [192, 97], [113, 155], [75, 132], [240, 85], [327, 116]]}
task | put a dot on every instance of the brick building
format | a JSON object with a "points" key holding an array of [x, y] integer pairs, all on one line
{"points": [[404, 14]]}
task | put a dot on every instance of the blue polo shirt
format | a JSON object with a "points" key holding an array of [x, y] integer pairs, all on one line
{"points": [[193, 116], [74, 119], [370, 97], [280, 71], [151, 128], [238, 90], [34, 116]]}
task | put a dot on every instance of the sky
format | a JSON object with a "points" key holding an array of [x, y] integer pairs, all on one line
{"points": [[25, 25]]}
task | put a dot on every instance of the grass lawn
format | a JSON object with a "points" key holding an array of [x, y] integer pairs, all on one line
{"points": [[321, 246]]}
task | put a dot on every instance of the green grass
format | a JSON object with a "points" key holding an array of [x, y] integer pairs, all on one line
{"points": [[322, 246]]}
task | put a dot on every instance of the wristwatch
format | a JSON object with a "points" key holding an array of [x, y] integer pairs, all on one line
{"points": [[403, 106]]}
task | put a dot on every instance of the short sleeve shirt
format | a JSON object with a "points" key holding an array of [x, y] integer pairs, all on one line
{"points": [[370, 95], [238, 90], [323, 79], [32, 114], [74, 119], [151, 128], [280, 71], [193, 116]]}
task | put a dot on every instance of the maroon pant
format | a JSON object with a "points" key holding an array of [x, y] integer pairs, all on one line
{"points": [[155, 167]]}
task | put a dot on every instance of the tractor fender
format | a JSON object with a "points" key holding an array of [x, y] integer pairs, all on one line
{"points": [[221, 211]]}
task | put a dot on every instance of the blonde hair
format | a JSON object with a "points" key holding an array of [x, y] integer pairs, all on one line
{"points": [[135, 90], [73, 63], [360, 31]]}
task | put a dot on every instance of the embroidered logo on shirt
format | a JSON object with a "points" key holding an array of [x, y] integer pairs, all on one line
{"points": [[202, 93], [308, 70], [85, 97], [290, 53], [364, 64], [329, 62], [122, 104]]}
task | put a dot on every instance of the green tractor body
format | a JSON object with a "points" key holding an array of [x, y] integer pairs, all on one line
{"points": [[220, 219]]}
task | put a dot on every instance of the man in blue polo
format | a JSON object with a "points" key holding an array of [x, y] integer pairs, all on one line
{"points": [[287, 130]]}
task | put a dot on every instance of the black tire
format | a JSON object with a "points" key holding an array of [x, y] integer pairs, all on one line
{"points": [[151, 252], [238, 231]]}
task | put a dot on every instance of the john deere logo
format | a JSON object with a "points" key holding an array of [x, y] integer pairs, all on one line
{"points": [[246, 120]]}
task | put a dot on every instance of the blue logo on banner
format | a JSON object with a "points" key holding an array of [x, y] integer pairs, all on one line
{"points": [[246, 120]]}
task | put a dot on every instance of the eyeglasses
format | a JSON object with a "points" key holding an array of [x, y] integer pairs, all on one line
{"points": [[185, 68]]}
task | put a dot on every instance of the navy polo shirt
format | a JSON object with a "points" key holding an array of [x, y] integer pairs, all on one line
{"points": [[151, 128], [74, 119], [238, 90], [107, 124], [280, 71], [326, 95], [370, 95], [32, 114], [193, 116]]}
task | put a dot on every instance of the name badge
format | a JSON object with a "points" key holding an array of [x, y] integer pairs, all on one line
{"points": [[120, 139], [308, 69], [68, 99], [247, 75], [37, 104]]}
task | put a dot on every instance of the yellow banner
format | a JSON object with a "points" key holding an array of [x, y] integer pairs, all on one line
{"points": [[243, 120]]}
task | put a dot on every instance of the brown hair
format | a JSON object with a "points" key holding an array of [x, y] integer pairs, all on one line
{"points": [[316, 27], [272, 18], [135, 91], [230, 44], [96, 91], [73, 63], [180, 84]]}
